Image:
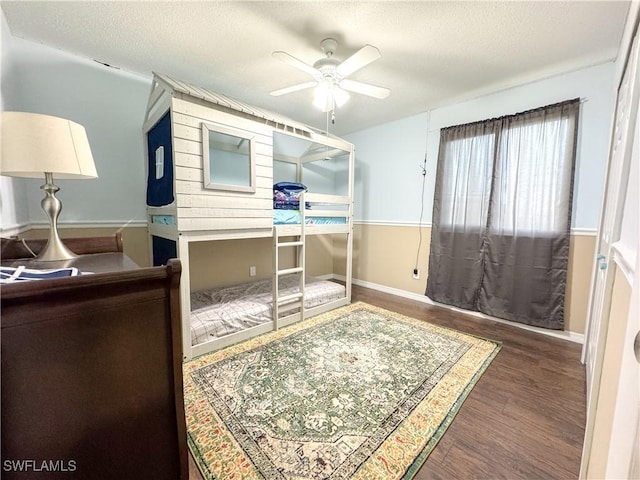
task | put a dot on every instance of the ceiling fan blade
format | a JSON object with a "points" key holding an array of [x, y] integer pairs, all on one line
{"points": [[299, 64], [293, 88], [362, 57], [365, 89]]}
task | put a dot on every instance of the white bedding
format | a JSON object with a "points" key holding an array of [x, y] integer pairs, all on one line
{"points": [[219, 312]]}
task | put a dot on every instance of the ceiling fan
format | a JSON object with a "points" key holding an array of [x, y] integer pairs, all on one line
{"points": [[330, 76]]}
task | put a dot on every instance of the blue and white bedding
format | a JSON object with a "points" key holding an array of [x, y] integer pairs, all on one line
{"points": [[222, 311], [286, 195], [21, 274]]}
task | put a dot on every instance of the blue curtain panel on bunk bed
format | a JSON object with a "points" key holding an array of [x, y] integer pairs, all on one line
{"points": [[163, 250], [160, 164]]}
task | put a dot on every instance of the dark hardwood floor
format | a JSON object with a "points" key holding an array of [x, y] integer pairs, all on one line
{"points": [[525, 417]]}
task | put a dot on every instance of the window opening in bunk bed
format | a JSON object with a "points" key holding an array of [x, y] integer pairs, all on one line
{"points": [[228, 159], [320, 169]]}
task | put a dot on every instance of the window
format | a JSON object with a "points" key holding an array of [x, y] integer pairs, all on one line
{"points": [[502, 213], [229, 159]]}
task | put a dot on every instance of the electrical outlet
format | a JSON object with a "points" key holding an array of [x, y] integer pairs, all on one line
{"points": [[416, 273], [252, 271]]}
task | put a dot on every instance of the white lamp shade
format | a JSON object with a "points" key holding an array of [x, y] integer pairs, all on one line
{"points": [[33, 144]]}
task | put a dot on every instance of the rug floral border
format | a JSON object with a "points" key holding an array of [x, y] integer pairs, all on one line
{"points": [[400, 456]]}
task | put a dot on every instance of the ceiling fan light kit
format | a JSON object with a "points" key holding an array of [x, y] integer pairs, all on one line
{"points": [[327, 96], [329, 74]]}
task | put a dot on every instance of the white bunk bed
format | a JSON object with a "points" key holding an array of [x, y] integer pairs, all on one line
{"points": [[223, 316], [198, 213]]}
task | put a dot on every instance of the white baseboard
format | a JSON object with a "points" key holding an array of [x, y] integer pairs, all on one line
{"points": [[570, 336]]}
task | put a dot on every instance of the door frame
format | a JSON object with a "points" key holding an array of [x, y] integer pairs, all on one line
{"points": [[612, 179]]}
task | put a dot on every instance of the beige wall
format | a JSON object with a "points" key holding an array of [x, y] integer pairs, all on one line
{"points": [[221, 262], [382, 254], [226, 262], [606, 402], [582, 250], [386, 255]]}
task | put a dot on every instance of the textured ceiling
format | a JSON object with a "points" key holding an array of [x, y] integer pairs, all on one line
{"points": [[433, 53]]}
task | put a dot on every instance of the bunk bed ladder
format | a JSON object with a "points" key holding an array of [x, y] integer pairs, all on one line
{"points": [[284, 303]]}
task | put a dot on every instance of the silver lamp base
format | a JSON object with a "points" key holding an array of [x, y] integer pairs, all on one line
{"points": [[54, 249]]}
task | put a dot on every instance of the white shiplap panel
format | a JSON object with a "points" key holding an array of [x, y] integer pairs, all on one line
{"points": [[206, 212], [206, 113], [261, 138], [264, 159], [265, 183], [189, 174], [181, 145], [188, 160], [221, 201], [191, 129], [190, 224], [264, 187], [188, 188], [196, 175], [264, 171], [187, 133]]}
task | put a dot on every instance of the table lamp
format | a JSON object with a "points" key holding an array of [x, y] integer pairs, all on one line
{"points": [[34, 145]]}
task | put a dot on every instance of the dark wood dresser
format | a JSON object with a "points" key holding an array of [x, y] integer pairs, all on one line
{"points": [[92, 372]]}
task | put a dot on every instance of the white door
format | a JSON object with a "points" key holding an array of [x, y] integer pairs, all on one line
{"points": [[621, 155], [611, 218], [624, 447]]}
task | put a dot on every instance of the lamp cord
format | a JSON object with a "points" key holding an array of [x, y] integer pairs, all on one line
{"points": [[423, 168], [27, 247], [424, 181]]}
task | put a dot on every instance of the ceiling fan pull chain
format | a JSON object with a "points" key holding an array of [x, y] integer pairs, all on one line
{"points": [[326, 129]]}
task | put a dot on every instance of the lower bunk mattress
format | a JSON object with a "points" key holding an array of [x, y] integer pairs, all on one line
{"points": [[222, 311]]}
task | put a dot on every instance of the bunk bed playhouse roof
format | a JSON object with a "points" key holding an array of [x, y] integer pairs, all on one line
{"points": [[165, 84]]}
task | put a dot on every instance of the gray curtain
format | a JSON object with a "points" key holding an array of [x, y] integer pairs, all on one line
{"points": [[502, 215]]}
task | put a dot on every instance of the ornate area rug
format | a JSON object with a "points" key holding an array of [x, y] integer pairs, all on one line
{"points": [[358, 392]]}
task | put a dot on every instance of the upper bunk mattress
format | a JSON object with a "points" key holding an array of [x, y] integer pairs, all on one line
{"points": [[222, 311], [292, 217]]}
